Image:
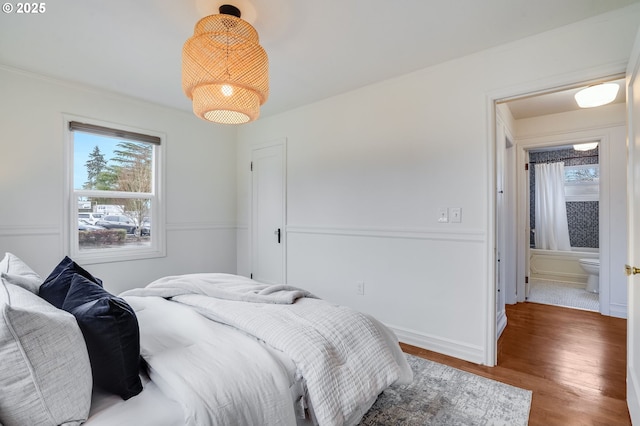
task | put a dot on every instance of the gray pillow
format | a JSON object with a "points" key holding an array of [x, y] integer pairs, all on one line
{"points": [[45, 376], [13, 270]]}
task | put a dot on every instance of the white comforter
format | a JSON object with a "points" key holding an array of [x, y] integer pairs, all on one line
{"points": [[217, 375], [345, 357]]}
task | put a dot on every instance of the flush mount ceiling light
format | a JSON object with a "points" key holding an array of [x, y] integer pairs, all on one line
{"points": [[586, 146], [597, 95], [225, 71]]}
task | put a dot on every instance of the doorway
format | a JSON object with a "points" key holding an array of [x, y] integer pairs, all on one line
{"points": [[563, 246], [532, 123]]}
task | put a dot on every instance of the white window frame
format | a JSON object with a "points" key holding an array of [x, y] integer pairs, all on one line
{"points": [[582, 191], [157, 248]]}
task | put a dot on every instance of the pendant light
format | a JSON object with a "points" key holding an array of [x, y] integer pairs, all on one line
{"points": [[225, 71]]}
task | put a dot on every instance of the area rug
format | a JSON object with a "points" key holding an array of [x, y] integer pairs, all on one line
{"points": [[559, 293], [442, 395]]}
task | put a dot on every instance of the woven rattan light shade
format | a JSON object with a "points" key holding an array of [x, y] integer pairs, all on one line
{"points": [[225, 71]]}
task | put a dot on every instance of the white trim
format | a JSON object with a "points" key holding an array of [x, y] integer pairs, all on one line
{"points": [[476, 236], [53, 230], [200, 226], [633, 387], [556, 83], [158, 241], [576, 137], [490, 307], [617, 310], [501, 323], [633, 392], [28, 231], [604, 223], [568, 133], [472, 353]]}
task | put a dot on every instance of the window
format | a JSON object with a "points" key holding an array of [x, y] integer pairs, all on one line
{"points": [[115, 210], [582, 183]]}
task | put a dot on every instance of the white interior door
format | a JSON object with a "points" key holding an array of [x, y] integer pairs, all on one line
{"points": [[268, 214], [633, 234]]}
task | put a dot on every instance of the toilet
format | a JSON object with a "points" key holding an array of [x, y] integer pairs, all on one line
{"points": [[592, 268]]}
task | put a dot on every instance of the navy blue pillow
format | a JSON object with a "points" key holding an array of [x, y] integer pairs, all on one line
{"points": [[111, 332], [55, 287]]}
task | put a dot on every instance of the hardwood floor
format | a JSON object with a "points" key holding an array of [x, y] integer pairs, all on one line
{"points": [[574, 362]]}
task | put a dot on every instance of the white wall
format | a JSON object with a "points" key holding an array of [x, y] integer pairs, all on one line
{"points": [[200, 179], [605, 123], [367, 171]]}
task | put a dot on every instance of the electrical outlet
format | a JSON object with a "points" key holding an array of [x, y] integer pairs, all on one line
{"points": [[360, 288]]}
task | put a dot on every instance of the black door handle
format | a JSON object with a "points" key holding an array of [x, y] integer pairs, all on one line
{"points": [[277, 232]]}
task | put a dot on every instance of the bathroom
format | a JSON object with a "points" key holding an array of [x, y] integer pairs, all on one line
{"points": [[540, 130], [564, 258]]}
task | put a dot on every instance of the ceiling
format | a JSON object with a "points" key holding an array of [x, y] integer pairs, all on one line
{"points": [[555, 102], [316, 49]]}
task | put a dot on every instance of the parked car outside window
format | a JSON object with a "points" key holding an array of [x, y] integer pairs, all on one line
{"points": [[145, 229], [118, 222], [92, 218], [85, 225]]}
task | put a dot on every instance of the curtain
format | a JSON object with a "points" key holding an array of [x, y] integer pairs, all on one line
{"points": [[552, 229]]}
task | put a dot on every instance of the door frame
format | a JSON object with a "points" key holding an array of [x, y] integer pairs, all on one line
{"points": [[539, 87], [505, 212], [633, 334], [523, 219], [282, 143]]}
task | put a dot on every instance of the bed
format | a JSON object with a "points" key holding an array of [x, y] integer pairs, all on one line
{"points": [[195, 349]]}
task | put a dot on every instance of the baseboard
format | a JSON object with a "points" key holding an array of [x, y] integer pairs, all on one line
{"points": [[618, 310], [444, 346], [501, 323], [633, 403]]}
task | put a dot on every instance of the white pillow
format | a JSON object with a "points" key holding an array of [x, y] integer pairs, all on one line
{"points": [[13, 270], [45, 376]]}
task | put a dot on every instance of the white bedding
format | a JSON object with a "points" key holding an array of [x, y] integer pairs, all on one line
{"points": [[218, 375], [151, 407], [202, 373], [345, 357]]}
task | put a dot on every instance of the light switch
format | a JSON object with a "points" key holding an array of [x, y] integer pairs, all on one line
{"points": [[443, 215], [456, 214]]}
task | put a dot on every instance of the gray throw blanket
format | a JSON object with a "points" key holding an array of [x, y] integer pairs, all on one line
{"points": [[221, 286]]}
